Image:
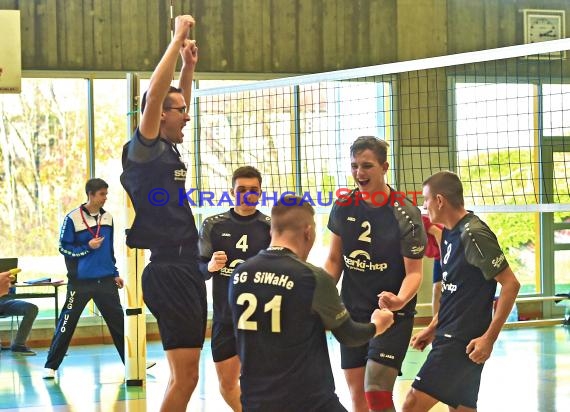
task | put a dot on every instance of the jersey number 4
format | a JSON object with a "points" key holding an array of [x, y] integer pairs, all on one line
{"points": [[242, 243], [273, 306]]}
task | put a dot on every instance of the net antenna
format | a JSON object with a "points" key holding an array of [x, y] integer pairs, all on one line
{"points": [[171, 20]]}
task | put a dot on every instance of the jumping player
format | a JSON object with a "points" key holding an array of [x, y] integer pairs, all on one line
{"points": [[464, 330], [227, 240], [173, 287], [377, 241], [281, 306]]}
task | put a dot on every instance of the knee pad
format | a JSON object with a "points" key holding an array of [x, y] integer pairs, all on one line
{"points": [[379, 400]]}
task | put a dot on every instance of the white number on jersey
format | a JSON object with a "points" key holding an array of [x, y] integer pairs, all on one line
{"points": [[273, 306], [242, 243], [365, 236]]}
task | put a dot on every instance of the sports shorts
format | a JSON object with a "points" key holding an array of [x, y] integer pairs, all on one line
{"points": [[175, 293], [387, 349], [223, 341], [331, 405], [448, 374]]}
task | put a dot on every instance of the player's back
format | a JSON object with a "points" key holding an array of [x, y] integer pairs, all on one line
{"points": [[281, 340]]}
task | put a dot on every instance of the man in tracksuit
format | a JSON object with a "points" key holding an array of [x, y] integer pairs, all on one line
{"points": [[86, 241]]}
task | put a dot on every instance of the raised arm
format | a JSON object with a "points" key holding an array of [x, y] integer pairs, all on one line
{"points": [[162, 77], [189, 53]]}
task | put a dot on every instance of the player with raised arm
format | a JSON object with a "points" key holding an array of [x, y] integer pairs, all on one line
{"points": [[173, 287]]}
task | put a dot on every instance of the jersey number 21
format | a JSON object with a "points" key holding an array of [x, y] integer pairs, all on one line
{"points": [[273, 306]]}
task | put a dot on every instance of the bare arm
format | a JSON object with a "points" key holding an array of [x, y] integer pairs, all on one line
{"points": [[334, 263], [436, 232], [189, 53], [479, 349], [409, 288], [424, 337], [161, 78]]}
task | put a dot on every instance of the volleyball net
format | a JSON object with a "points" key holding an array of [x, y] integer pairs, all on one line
{"points": [[499, 118]]}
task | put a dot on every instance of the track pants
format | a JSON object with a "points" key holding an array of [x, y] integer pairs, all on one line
{"points": [[106, 296]]}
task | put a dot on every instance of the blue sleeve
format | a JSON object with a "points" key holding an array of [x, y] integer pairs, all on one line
{"points": [[203, 265], [142, 150], [68, 245]]}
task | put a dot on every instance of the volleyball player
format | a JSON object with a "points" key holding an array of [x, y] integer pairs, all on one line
{"points": [[281, 306], [377, 242], [226, 240], [464, 330], [173, 287]]}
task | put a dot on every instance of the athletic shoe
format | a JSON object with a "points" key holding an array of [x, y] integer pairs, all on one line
{"points": [[150, 364], [22, 350], [49, 373]]}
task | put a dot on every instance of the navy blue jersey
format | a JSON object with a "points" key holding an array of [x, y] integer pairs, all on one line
{"points": [[154, 177], [470, 259], [241, 237], [82, 262], [280, 309], [375, 241]]}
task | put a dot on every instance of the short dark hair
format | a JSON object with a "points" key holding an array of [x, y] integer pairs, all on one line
{"points": [[246, 171], [290, 212], [448, 185], [94, 185], [166, 101], [378, 146]]}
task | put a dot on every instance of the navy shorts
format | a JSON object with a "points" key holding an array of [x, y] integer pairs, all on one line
{"points": [[387, 349], [448, 374], [437, 272], [175, 293], [331, 405], [223, 341]]}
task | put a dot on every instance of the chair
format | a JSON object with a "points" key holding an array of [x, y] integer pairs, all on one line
{"points": [[13, 318]]}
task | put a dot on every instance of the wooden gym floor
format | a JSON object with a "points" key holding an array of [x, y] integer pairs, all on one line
{"points": [[529, 371]]}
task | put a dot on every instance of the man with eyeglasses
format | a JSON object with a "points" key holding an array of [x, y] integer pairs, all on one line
{"points": [[153, 175], [226, 240]]}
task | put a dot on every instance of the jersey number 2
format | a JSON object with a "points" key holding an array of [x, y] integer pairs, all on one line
{"points": [[365, 236], [273, 306]]}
